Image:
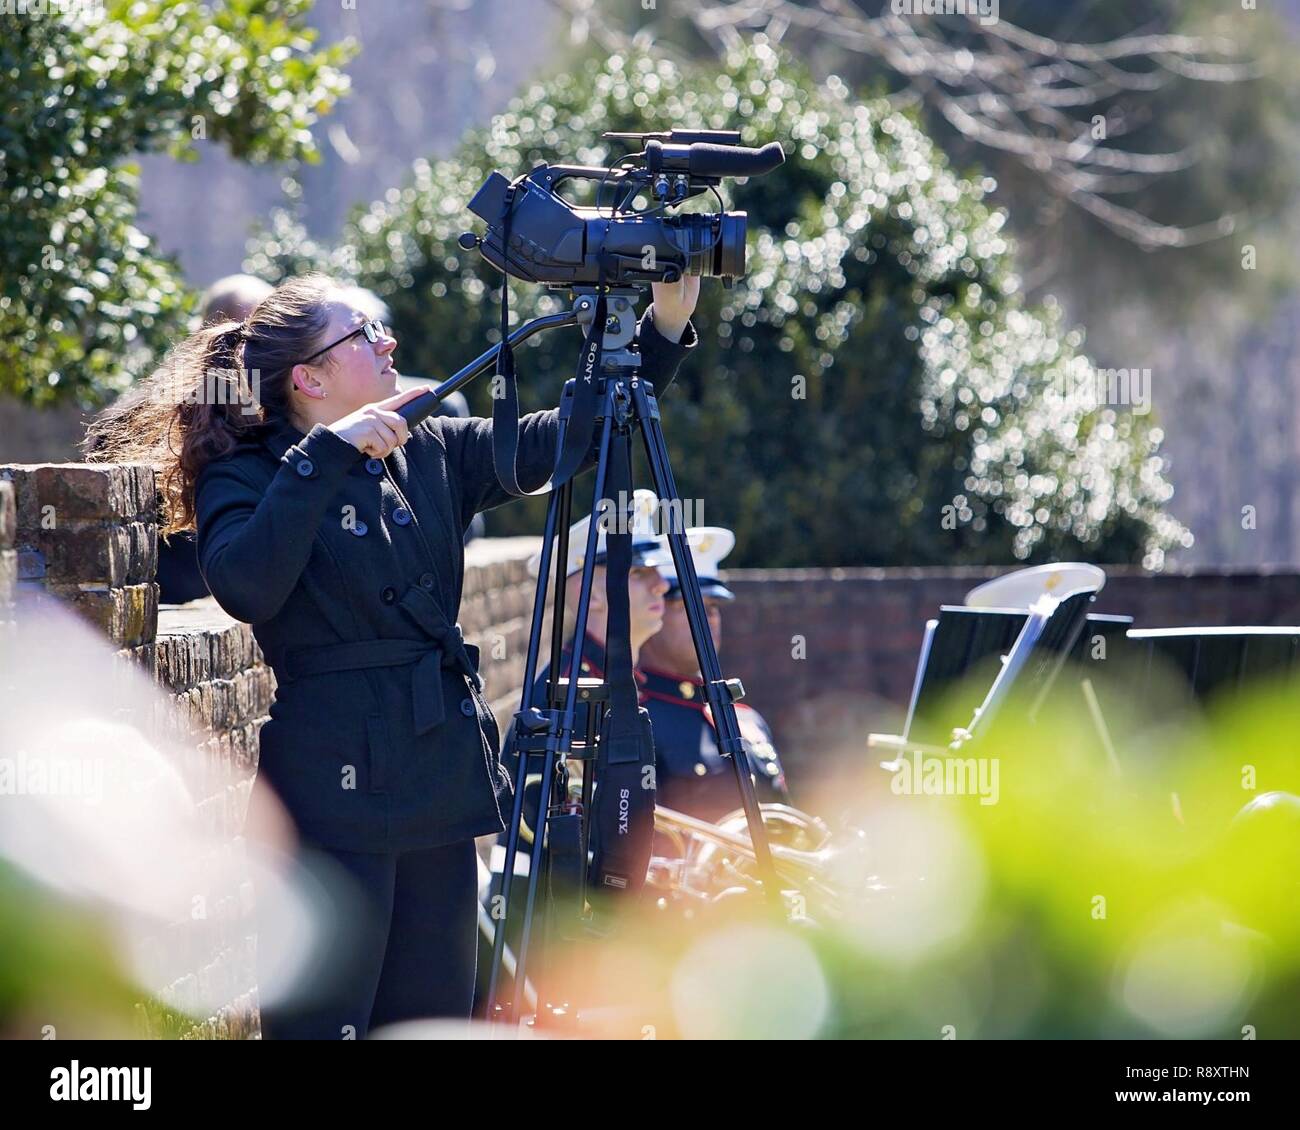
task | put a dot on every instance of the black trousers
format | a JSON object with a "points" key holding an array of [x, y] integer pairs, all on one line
{"points": [[396, 940]]}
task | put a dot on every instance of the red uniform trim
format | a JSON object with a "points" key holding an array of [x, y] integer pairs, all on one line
{"points": [[675, 700]]}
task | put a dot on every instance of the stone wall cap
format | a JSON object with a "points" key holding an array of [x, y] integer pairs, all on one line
{"points": [[204, 615]]}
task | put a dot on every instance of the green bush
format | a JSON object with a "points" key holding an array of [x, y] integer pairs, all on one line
{"points": [[86, 302], [940, 418]]}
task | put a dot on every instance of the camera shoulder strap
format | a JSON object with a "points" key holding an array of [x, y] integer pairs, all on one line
{"points": [[623, 818], [505, 391]]}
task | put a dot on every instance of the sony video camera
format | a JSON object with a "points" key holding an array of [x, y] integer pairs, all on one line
{"points": [[557, 243]]}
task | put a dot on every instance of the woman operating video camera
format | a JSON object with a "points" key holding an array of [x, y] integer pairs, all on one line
{"points": [[336, 531]]}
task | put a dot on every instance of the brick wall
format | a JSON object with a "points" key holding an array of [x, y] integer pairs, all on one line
{"points": [[858, 632], [212, 670], [861, 634], [86, 537], [495, 612]]}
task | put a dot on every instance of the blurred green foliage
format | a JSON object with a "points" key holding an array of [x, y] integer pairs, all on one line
{"points": [[62, 974], [1152, 894], [876, 373], [1155, 895], [86, 301]]}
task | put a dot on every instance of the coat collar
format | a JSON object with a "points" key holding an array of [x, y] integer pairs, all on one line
{"points": [[280, 435]]}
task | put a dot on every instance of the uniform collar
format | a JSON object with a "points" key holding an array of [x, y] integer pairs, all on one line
{"points": [[594, 660], [678, 687], [593, 655]]}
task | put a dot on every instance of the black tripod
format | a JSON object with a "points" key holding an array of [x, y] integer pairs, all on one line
{"points": [[544, 732]]}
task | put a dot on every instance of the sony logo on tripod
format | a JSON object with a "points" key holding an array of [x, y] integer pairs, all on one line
{"points": [[589, 365]]}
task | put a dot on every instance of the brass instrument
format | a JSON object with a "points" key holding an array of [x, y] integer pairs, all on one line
{"points": [[697, 863], [710, 863]]}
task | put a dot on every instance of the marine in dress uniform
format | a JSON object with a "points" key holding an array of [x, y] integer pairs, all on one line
{"points": [[645, 606], [691, 774], [380, 743]]}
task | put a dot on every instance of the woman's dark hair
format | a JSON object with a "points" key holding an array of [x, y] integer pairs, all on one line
{"points": [[212, 390]]}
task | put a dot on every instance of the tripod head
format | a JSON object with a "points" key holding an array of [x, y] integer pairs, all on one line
{"points": [[620, 328], [620, 321]]}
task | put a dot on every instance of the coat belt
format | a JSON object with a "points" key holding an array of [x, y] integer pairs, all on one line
{"points": [[446, 651]]}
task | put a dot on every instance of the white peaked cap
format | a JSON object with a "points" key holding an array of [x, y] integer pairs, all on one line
{"points": [[647, 547], [708, 545]]}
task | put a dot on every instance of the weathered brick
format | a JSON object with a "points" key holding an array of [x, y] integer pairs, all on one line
{"points": [[80, 491], [83, 553], [127, 615], [8, 515]]}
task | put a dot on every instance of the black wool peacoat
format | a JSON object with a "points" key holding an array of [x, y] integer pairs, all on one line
{"points": [[350, 571]]}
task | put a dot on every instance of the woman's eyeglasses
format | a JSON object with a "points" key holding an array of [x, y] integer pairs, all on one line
{"points": [[373, 329]]}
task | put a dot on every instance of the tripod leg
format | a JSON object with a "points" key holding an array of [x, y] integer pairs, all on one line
{"points": [[560, 736], [557, 517], [730, 742]]}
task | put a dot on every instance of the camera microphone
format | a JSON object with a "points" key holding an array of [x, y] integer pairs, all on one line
{"points": [[703, 159]]}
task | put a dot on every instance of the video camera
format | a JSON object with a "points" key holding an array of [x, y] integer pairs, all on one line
{"points": [[555, 242]]}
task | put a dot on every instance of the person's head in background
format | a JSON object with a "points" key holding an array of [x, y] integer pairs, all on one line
{"points": [[303, 356], [370, 304], [229, 299], [672, 650], [233, 298], [645, 585]]}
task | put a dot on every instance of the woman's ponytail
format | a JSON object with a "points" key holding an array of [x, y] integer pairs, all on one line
{"points": [[210, 392]]}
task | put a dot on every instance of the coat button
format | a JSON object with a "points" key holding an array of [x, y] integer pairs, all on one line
{"points": [[402, 516], [305, 467], [360, 529], [426, 580], [467, 707], [375, 466], [388, 595]]}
